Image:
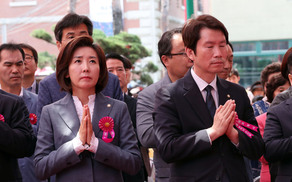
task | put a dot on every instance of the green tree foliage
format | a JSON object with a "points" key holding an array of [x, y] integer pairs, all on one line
{"points": [[123, 43], [42, 34], [46, 59], [146, 79], [144, 72], [130, 46]]}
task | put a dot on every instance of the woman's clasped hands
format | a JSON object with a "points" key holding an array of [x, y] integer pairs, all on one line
{"points": [[85, 139]]}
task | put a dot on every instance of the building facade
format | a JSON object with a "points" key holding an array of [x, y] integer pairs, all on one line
{"points": [[260, 31], [146, 18]]}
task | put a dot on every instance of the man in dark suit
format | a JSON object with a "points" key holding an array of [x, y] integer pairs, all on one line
{"points": [[72, 25], [200, 141], [116, 64], [173, 57], [16, 136], [11, 76]]}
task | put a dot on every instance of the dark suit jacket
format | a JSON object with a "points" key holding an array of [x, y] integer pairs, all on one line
{"points": [[60, 124], [50, 91], [132, 105], [16, 136], [180, 119], [277, 137]]}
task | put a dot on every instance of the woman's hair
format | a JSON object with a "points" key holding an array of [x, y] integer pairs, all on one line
{"points": [[272, 68], [65, 57], [286, 66], [275, 82]]}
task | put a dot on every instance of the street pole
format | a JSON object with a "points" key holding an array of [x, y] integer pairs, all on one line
{"points": [[189, 8]]}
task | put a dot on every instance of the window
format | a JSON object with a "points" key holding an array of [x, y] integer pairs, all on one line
{"points": [[275, 45], [240, 47]]}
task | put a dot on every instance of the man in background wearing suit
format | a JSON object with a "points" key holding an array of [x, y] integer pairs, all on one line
{"points": [[116, 64], [72, 25], [11, 76], [224, 74], [200, 141], [30, 66], [173, 57]]}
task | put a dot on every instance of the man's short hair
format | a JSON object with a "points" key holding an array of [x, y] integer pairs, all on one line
{"points": [[126, 62], [289, 65], [234, 71], [11, 47], [34, 52], [72, 20], [256, 86], [65, 57], [164, 44], [192, 29], [269, 69], [231, 46]]}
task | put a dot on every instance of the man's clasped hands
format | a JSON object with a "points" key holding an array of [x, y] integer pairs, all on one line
{"points": [[223, 122]]}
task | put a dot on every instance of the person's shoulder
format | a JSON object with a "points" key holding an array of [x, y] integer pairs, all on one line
{"points": [[63, 102], [30, 94], [3, 93], [285, 94], [282, 97], [10, 101], [281, 106], [5, 96], [48, 79], [112, 78], [151, 89], [108, 100], [178, 84]]}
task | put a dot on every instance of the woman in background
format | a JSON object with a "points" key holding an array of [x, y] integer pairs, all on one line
{"points": [[276, 85]]}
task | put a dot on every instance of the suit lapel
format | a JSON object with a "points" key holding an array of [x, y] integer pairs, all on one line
{"points": [[223, 93], [27, 99], [68, 113], [102, 108], [194, 97]]}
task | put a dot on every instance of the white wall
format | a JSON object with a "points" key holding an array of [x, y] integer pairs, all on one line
{"points": [[254, 19]]}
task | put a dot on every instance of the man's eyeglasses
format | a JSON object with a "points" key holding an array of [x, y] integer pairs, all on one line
{"points": [[28, 58], [177, 54]]}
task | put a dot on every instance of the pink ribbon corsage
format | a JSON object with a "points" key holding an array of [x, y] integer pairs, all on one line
{"points": [[106, 124], [241, 124], [2, 118], [32, 118]]}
